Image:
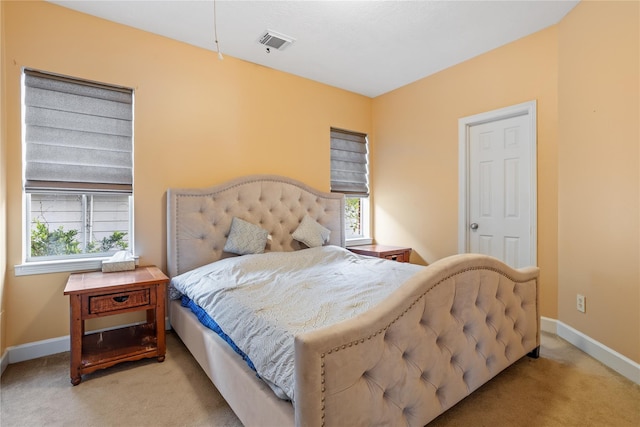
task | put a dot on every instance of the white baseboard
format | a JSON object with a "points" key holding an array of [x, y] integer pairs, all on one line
{"points": [[549, 325], [33, 350], [4, 361], [611, 358]]}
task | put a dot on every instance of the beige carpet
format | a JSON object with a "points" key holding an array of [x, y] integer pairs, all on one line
{"points": [[564, 387]]}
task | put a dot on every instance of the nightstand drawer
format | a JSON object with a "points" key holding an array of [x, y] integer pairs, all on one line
{"points": [[119, 301], [400, 257]]}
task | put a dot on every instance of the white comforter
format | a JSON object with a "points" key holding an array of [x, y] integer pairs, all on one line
{"points": [[263, 301]]}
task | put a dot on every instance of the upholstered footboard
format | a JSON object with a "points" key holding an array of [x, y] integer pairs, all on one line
{"points": [[439, 337]]}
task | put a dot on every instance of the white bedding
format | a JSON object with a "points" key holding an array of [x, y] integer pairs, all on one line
{"points": [[263, 301]]}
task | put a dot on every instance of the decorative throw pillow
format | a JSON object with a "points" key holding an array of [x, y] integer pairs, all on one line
{"points": [[245, 238], [311, 233]]}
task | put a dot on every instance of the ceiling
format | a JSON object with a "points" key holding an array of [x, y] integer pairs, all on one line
{"points": [[367, 47]]}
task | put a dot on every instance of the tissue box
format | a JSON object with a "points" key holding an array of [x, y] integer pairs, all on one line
{"points": [[113, 266], [120, 261]]}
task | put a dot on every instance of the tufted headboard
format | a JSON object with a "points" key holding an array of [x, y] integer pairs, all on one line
{"points": [[198, 220]]}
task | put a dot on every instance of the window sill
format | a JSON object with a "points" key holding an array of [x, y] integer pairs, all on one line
{"points": [[360, 241], [59, 266]]}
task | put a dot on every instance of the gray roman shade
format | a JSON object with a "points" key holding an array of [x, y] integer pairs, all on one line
{"points": [[78, 135], [349, 171]]}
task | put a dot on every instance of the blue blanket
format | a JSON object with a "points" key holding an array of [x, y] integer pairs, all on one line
{"points": [[207, 321]]}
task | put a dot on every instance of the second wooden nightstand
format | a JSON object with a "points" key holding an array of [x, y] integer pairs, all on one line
{"points": [[98, 294], [395, 253]]}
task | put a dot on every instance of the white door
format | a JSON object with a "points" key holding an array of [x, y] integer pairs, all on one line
{"points": [[500, 188]]}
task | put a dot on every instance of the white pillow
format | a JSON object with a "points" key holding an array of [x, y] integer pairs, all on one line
{"points": [[245, 238], [311, 233]]}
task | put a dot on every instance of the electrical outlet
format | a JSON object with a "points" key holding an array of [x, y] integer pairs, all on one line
{"points": [[581, 302]]}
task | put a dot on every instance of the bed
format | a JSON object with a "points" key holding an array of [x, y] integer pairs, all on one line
{"points": [[446, 330]]}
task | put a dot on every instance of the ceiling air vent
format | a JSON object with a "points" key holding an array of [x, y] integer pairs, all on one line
{"points": [[275, 40]]}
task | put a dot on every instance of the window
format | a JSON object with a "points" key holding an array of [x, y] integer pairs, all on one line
{"points": [[350, 175], [77, 168]]}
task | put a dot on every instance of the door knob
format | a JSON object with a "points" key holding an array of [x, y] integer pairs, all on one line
{"points": [[474, 226]]}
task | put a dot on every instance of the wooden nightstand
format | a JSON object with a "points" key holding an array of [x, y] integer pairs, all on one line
{"points": [[97, 294], [395, 253]]}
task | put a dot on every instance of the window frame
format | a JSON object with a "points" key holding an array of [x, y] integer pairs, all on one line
{"points": [[365, 224], [363, 192], [79, 262], [72, 262]]}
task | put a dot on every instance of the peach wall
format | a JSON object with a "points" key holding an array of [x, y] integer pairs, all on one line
{"points": [[584, 74], [416, 137], [198, 121], [599, 188], [3, 185]]}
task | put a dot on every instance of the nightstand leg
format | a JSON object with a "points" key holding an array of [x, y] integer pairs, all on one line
{"points": [[160, 310], [76, 326]]}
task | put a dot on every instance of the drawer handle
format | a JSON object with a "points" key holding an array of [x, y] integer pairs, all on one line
{"points": [[122, 298], [394, 257]]}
